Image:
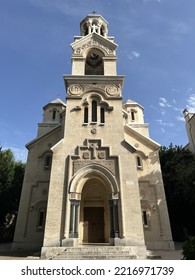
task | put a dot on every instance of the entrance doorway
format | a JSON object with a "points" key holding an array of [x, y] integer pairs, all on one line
{"points": [[93, 225]]}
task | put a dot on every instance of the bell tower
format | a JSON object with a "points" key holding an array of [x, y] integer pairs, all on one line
{"points": [[94, 52]]}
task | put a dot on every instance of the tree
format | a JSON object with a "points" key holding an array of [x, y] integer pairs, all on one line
{"points": [[11, 178], [178, 170]]}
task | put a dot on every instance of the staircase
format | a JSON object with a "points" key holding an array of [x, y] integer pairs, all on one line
{"points": [[100, 253]]}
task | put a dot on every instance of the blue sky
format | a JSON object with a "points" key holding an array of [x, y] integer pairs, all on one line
{"points": [[156, 54]]}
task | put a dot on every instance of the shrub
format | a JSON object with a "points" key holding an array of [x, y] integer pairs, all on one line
{"points": [[189, 249]]}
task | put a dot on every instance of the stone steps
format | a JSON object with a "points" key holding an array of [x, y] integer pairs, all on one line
{"points": [[96, 253]]}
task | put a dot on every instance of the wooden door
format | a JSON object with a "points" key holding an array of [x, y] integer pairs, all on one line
{"points": [[93, 225]]}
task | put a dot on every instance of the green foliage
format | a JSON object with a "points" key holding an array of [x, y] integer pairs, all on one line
{"points": [[189, 249], [11, 179], [178, 170]]}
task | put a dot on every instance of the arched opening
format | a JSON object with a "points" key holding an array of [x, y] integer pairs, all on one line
{"points": [[94, 216], [94, 111], [94, 213], [102, 115], [94, 63], [86, 115], [54, 115]]}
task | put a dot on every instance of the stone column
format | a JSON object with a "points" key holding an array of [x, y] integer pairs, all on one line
{"points": [[114, 221], [89, 25], [74, 219]]}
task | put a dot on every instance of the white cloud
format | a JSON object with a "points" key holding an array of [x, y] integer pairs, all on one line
{"points": [[133, 54], [161, 122], [164, 103], [180, 118], [191, 103], [136, 54]]}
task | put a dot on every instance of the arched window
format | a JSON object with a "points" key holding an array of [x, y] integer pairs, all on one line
{"points": [[47, 161], [132, 115], [94, 111], [102, 115], [94, 63], [41, 219], [145, 218], [139, 162], [86, 115], [54, 115]]}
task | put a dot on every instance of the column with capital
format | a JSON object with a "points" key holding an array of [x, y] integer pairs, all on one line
{"points": [[114, 221], [89, 25], [74, 219], [99, 27]]}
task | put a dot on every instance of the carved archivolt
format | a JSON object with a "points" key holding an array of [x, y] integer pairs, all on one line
{"points": [[93, 43], [94, 170]]}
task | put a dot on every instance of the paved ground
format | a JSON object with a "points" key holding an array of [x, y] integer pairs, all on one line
{"points": [[7, 254]]}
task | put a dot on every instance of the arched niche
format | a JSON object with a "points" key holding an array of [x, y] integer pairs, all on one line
{"points": [[94, 64]]}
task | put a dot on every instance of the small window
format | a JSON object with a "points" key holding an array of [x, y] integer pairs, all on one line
{"points": [[139, 162], [54, 115], [145, 218], [102, 115], [41, 219], [132, 115], [47, 163], [86, 115], [94, 111]]}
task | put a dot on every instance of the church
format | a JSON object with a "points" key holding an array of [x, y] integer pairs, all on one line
{"points": [[93, 176]]}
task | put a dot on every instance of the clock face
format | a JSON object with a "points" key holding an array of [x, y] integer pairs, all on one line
{"points": [[94, 59]]}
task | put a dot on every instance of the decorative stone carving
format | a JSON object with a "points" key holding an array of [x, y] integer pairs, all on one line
{"points": [[94, 131], [75, 89], [109, 164], [112, 90], [101, 155], [92, 152], [86, 155], [93, 43], [72, 195]]}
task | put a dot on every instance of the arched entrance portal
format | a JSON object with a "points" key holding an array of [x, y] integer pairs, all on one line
{"points": [[94, 212], [94, 216]]}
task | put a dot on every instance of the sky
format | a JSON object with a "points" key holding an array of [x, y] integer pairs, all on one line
{"points": [[155, 53]]}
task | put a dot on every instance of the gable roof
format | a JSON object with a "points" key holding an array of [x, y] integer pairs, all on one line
{"points": [[141, 138], [55, 101], [102, 40]]}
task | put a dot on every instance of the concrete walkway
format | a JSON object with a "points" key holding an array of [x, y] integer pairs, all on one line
{"points": [[7, 254]]}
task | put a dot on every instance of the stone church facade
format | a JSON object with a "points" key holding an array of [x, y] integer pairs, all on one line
{"points": [[93, 174]]}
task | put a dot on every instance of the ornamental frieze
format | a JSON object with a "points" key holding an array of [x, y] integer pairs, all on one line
{"points": [[109, 164], [109, 90], [79, 50]]}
